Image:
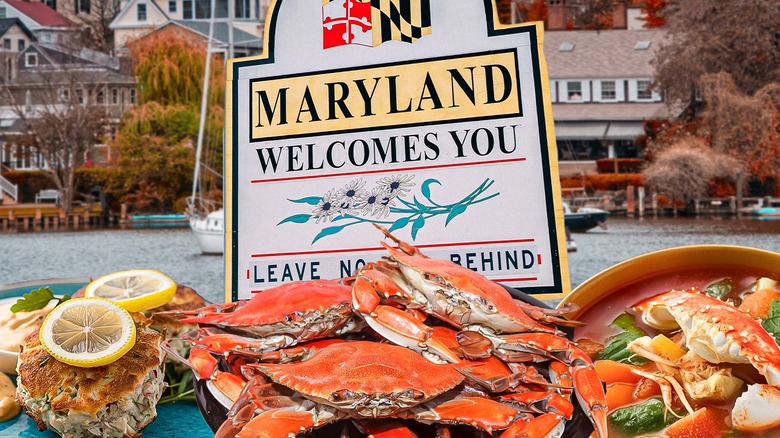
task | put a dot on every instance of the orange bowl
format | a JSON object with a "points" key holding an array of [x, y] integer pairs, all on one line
{"points": [[613, 290]]}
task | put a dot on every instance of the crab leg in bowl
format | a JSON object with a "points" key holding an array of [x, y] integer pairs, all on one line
{"points": [[718, 332]]}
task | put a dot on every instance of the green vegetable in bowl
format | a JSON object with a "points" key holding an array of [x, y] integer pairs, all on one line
{"points": [[648, 416], [616, 348]]}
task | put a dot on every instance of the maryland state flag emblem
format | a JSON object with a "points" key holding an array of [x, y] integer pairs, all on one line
{"points": [[372, 22]]}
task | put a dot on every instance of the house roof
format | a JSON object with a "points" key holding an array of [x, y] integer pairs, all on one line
{"points": [[8, 23], [612, 111], [241, 39], [601, 54], [40, 13]]}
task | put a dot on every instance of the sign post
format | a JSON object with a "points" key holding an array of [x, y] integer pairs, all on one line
{"points": [[426, 117]]}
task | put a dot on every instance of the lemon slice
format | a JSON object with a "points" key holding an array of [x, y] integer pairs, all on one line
{"points": [[134, 290], [87, 332]]}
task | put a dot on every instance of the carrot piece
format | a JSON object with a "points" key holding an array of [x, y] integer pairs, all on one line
{"points": [[611, 371], [646, 388], [620, 395], [757, 304], [705, 422]]}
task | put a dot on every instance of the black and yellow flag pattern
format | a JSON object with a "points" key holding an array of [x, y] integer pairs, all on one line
{"points": [[400, 20]]}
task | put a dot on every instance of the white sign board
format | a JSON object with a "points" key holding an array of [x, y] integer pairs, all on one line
{"points": [[422, 116]]}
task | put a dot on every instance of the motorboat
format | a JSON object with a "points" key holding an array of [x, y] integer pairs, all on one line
{"points": [[584, 218]]}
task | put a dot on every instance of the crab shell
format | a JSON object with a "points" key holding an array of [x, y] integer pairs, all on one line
{"points": [[463, 297], [305, 309], [366, 379], [719, 332], [714, 330]]}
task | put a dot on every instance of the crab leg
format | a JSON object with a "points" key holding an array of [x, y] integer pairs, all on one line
{"points": [[540, 402], [546, 425], [393, 324], [483, 413], [589, 389]]}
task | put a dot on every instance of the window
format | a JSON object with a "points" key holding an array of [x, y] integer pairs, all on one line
{"points": [[80, 96], [643, 91], [27, 100], [21, 45], [642, 45], [608, 90], [101, 98], [31, 59], [172, 6], [132, 96], [9, 69], [51, 3], [115, 96], [186, 12], [141, 9], [574, 91], [3, 12], [64, 94], [566, 47], [6, 43], [82, 6]]}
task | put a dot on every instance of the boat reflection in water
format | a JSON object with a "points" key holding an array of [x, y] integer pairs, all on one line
{"points": [[584, 219]]}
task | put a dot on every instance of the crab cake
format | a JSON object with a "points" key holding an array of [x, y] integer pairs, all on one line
{"points": [[114, 400]]}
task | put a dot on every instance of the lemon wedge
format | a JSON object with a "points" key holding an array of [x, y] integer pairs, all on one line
{"points": [[135, 290], [87, 332]]}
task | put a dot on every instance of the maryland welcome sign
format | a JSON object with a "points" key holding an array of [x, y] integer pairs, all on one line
{"points": [[426, 117]]}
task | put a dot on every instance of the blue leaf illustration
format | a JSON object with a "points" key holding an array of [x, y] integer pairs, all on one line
{"points": [[311, 200], [420, 206], [400, 223], [458, 209], [296, 218], [425, 188], [327, 232], [417, 225]]}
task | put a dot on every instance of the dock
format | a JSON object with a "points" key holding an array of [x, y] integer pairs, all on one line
{"points": [[45, 216]]}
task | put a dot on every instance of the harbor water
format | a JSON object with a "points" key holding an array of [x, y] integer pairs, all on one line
{"points": [[28, 256]]}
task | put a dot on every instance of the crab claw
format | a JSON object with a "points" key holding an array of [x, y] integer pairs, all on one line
{"points": [[714, 330], [545, 425], [756, 409]]}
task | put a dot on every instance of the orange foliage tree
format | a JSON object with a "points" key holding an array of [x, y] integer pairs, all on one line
{"points": [[653, 11]]}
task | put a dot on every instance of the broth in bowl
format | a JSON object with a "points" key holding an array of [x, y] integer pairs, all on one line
{"points": [[661, 380]]}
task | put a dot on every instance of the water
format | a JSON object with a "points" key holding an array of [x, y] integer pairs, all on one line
{"points": [[85, 254]]}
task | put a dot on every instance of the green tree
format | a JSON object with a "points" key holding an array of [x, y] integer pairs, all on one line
{"points": [[156, 156], [170, 67]]}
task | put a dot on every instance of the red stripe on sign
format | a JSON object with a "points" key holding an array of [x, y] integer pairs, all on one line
{"points": [[539, 258], [433, 245], [503, 280], [247, 274], [363, 172]]}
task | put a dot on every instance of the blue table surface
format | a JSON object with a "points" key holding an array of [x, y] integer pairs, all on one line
{"points": [[182, 419]]}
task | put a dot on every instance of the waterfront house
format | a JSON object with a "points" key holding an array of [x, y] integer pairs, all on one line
{"points": [[48, 25], [49, 77], [600, 85], [140, 17]]}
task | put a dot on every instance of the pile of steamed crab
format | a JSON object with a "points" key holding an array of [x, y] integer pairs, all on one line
{"points": [[406, 340]]}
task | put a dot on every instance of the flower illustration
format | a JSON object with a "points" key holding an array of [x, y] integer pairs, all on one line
{"points": [[397, 185], [348, 198], [384, 204], [325, 208]]}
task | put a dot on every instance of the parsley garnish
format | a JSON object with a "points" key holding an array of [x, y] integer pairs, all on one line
{"points": [[772, 322], [36, 299]]}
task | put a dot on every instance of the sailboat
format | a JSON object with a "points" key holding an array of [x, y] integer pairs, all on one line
{"points": [[206, 216]]}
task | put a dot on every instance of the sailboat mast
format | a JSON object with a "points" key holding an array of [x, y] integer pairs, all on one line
{"points": [[203, 105]]}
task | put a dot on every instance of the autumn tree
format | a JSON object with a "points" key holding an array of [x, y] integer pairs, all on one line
{"points": [[713, 36], [684, 170], [654, 13], [63, 125], [594, 14], [155, 157], [743, 126]]}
